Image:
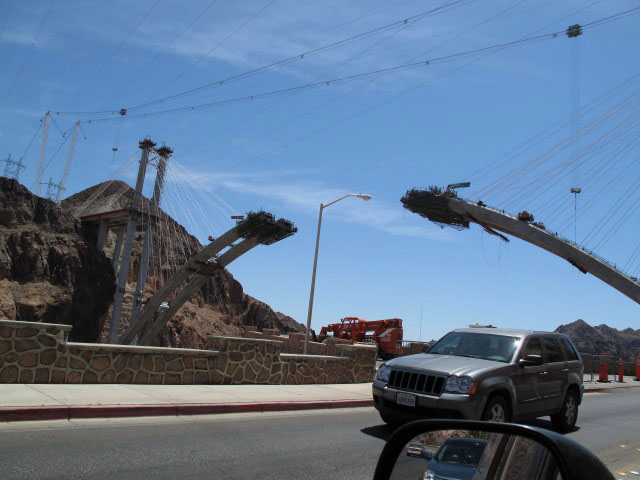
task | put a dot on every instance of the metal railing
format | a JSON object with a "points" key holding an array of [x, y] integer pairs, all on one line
{"points": [[563, 238]]}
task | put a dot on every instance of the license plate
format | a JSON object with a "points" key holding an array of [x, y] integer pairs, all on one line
{"points": [[406, 399]]}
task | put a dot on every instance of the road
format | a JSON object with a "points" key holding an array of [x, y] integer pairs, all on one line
{"points": [[323, 444]]}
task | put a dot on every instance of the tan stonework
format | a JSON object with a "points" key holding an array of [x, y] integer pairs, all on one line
{"points": [[294, 342], [40, 353]]}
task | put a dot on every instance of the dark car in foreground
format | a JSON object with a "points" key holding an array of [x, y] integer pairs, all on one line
{"points": [[492, 374]]}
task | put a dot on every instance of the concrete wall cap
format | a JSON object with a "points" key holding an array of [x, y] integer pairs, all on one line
{"points": [[139, 349], [20, 323], [356, 346], [293, 356], [245, 340]]}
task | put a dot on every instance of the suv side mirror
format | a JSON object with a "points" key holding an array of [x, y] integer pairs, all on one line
{"points": [[530, 361], [486, 450]]}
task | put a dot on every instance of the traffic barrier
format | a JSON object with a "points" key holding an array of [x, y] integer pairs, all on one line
{"points": [[621, 370], [637, 379], [604, 369]]}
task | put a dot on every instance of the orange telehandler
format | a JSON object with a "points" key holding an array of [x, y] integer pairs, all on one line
{"points": [[385, 333]]}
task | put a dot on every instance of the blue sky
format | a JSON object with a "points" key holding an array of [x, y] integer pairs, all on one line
{"points": [[381, 134]]}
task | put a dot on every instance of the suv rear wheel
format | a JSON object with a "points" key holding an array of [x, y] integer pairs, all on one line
{"points": [[496, 410], [566, 419]]}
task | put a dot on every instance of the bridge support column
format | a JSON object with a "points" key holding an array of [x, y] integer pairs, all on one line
{"points": [[164, 154], [192, 265], [117, 250], [102, 234], [196, 284], [118, 300]]}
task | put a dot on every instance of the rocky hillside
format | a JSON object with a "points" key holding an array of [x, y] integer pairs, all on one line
{"points": [[48, 272], [602, 339], [51, 271]]}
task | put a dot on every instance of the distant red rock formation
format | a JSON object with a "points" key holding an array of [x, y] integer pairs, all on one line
{"points": [[603, 339]]}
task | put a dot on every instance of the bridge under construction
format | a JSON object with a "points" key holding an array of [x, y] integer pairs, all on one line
{"points": [[444, 207]]}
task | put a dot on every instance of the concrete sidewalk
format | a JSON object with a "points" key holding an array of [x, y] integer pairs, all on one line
{"points": [[613, 384], [50, 401]]}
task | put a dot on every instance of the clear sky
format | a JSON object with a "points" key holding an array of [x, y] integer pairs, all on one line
{"points": [[381, 134]]}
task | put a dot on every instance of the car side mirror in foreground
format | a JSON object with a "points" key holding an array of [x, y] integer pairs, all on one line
{"points": [[473, 450], [530, 361]]}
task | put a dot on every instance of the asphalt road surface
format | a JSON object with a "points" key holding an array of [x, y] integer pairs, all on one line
{"points": [[327, 444]]}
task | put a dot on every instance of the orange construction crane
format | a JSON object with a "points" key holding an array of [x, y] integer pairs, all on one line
{"points": [[385, 333]]}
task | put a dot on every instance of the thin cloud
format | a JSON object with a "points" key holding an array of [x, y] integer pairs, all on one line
{"points": [[295, 193]]}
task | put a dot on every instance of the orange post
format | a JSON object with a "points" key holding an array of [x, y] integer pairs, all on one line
{"points": [[604, 369], [621, 370], [637, 369]]}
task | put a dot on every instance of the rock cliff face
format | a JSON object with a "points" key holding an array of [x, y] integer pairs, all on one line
{"points": [[602, 339], [50, 270]]}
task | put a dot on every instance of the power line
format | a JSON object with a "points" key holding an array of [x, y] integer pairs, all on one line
{"points": [[332, 81], [152, 61], [4, 22], [26, 57], [212, 49], [445, 7], [113, 54], [24, 155], [610, 18], [298, 117], [404, 66]]}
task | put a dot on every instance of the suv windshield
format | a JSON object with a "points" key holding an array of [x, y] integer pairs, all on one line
{"points": [[498, 348], [461, 451]]}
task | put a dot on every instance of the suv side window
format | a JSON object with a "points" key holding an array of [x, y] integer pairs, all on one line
{"points": [[569, 350], [533, 347], [552, 350]]}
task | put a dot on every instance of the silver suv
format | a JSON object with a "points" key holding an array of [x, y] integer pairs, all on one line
{"points": [[493, 374]]}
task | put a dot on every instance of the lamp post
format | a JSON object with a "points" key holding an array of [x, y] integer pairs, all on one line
{"points": [[315, 260]]}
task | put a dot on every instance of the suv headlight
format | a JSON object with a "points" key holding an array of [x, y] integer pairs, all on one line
{"points": [[460, 385], [383, 373]]}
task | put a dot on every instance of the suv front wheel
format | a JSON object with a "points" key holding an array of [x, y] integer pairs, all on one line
{"points": [[496, 410], [566, 419]]}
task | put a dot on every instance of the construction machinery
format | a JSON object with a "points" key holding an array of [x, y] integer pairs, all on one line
{"points": [[387, 334]]}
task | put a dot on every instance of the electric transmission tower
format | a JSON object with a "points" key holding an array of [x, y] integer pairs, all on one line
{"points": [[12, 168]]}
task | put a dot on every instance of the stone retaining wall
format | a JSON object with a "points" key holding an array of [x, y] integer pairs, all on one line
{"points": [[294, 342], [41, 353]]}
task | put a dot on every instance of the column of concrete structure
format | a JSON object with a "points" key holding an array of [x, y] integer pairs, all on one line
{"points": [[164, 153], [146, 146]]}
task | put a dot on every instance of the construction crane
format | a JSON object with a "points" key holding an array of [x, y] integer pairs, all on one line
{"points": [[67, 164], [43, 152], [385, 333]]}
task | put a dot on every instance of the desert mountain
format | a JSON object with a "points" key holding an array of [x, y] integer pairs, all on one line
{"points": [[51, 271], [602, 339]]}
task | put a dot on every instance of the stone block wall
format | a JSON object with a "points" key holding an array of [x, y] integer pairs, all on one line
{"points": [[41, 353], [294, 342]]}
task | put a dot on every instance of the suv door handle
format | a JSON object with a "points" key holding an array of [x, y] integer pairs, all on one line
{"points": [[544, 373]]}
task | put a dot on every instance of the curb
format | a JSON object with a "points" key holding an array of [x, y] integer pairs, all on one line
{"points": [[608, 389], [65, 412]]}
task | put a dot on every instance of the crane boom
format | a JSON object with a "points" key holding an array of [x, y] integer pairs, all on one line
{"points": [[67, 165], [43, 152]]}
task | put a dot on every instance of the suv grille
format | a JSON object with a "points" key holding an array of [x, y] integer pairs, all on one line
{"points": [[416, 382]]}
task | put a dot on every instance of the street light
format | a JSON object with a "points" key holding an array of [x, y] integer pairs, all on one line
{"points": [[364, 197]]}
